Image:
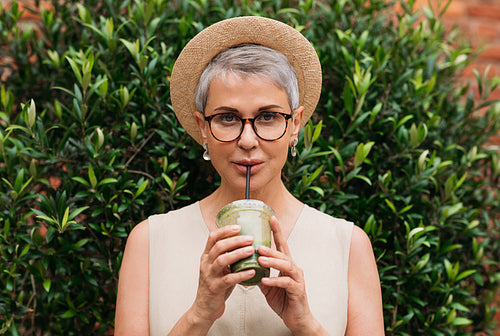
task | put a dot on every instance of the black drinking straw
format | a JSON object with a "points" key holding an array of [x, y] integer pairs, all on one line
{"points": [[247, 189]]}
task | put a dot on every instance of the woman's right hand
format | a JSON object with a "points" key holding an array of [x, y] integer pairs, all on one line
{"points": [[216, 281]]}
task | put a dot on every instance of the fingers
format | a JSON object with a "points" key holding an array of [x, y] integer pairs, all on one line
{"points": [[232, 279], [291, 277], [279, 238], [224, 232], [228, 258], [280, 261], [281, 282], [224, 247]]}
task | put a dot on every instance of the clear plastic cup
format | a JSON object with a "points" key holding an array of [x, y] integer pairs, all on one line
{"points": [[253, 217]]}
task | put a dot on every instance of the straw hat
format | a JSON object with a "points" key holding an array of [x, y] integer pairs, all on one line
{"points": [[247, 29]]}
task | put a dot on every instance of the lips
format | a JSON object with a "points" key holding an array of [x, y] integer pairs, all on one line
{"points": [[241, 165]]}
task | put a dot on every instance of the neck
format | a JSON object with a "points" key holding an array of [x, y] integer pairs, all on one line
{"points": [[271, 196]]}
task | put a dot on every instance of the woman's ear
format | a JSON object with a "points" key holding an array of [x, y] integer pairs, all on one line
{"points": [[298, 114], [200, 122]]}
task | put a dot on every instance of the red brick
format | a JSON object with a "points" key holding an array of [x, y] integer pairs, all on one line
{"points": [[491, 53], [29, 13], [491, 11], [481, 68], [456, 8], [489, 30], [495, 95]]}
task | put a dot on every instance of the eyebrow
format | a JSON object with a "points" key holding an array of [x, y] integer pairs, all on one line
{"points": [[232, 109]]}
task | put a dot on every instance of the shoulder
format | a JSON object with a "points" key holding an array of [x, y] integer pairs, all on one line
{"points": [[361, 258], [331, 228], [138, 238], [140, 231], [181, 213], [318, 217], [360, 243]]}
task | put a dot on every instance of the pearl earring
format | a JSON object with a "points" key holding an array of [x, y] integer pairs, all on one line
{"points": [[293, 150], [206, 156]]}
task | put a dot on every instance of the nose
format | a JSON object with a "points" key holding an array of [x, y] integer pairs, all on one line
{"points": [[248, 139]]}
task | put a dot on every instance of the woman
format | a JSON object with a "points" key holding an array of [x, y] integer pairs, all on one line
{"points": [[243, 88]]}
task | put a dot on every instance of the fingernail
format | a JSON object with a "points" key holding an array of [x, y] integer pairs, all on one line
{"points": [[249, 249], [263, 259], [235, 227], [264, 248]]}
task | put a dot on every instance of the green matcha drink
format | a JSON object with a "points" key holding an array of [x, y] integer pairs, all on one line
{"points": [[253, 217]]}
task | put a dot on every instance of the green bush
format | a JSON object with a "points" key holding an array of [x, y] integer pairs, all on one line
{"points": [[89, 146]]}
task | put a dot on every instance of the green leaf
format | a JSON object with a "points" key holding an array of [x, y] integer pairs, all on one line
{"points": [[461, 321], [81, 243], [133, 132], [64, 221], [449, 211], [19, 181], [403, 121], [363, 178], [109, 27], [169, 181], [314, 175], [359, 156], [31, 114], [77, 212], [182, 179], [24, 251], [68, 314], [308, 135], [46, 285], [81, 180], [141, 188], [422, 160], [84, 13], [76, 71], [391, 205], [92, 178], [317, 131], [449, 269], [339, 159], [348, 99], [414, 232], [318, 190], [133, 48], [108, 180], [465, 274]]}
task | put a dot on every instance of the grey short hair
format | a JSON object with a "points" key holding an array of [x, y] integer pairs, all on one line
{"points": [[249, 60]]}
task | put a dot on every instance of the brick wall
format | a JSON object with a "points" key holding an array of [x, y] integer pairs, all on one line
{"points": [[479, 20]]}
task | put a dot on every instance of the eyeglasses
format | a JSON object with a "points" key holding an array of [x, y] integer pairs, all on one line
{"points": [[269, 126]]}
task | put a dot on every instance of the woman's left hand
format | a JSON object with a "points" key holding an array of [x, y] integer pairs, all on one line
{"points": [[286, 293]]}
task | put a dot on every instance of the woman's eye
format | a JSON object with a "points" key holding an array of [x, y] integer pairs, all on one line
{"points": [[226, 118], [267, 116]]}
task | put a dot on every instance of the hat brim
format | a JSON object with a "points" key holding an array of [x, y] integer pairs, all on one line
{"points": [[208, 43]]}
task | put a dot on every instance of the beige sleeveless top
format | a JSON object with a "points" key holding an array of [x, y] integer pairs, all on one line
{"points": [[319, 244]]}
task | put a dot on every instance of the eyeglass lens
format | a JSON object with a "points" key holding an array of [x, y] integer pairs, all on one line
{"points": [[267, 125]]}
